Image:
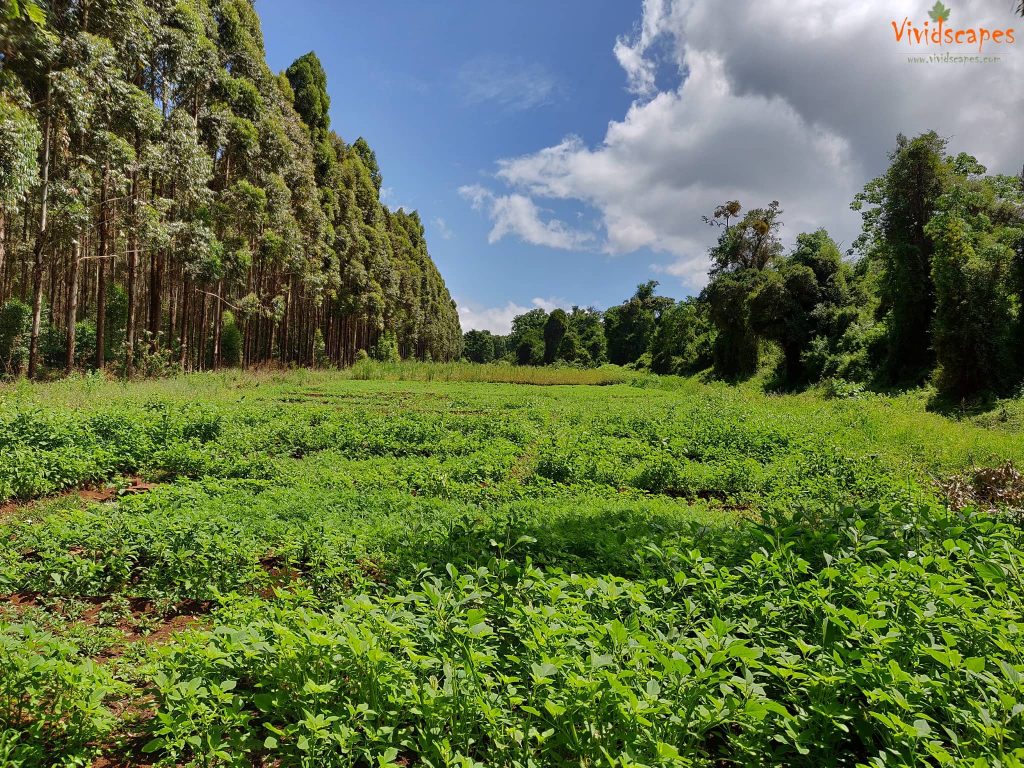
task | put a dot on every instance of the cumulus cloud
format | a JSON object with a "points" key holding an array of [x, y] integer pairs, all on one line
{"points": [[519, 215], [443, 228], [474, 316], [510, 84], [790, 100]]}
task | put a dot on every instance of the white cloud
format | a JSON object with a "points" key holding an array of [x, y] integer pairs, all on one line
{"points": [[508, 83], [443, 229], [790, 100], [549, 304], [518, 215], [632, 52], [691, 273], [474, 316]]}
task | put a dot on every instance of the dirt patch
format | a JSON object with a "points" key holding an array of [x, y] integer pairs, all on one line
{"points": [[136, 618], [22, 600], [136, 486], [282, 575], [128, 760], [98, 495], [125, 751], [372, 570]]}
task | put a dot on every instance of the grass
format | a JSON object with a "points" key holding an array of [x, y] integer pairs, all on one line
{"points": [[424, 565], [494, 373]]}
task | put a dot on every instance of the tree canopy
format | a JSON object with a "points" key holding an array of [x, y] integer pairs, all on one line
{"points": [[933, 289]]}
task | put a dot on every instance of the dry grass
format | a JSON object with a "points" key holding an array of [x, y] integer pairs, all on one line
{"points": [[998, 489], [495, 373]]}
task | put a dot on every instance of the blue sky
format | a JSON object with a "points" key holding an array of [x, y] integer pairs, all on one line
{"points": [[562, 152], [442, 91]]}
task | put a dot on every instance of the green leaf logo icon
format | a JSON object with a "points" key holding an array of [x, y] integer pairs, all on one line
{"points": [[939, 12]]}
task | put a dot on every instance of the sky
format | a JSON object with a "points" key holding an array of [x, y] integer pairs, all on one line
{"points": [[560, 153]]}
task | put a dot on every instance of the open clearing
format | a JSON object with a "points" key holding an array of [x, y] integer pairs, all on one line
{"points": [[316, 569]]}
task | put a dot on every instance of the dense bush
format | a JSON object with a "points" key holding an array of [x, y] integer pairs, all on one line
{"points": [[15, 323]]}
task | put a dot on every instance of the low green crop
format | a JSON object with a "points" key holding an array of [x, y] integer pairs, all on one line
{"points": [[834, 646], [334, 571], [53, 703]]}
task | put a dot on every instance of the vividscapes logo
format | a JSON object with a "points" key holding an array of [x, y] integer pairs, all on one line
{"points": [[940, 33]]}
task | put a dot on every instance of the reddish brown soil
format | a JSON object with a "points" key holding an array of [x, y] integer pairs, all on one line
{"points": [[99, 495]]}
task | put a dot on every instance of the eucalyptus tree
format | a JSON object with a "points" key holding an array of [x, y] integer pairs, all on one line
{"points": [[149, 154]]}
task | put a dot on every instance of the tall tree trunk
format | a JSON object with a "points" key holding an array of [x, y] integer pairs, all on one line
{"points": [[132, 289], [155, 299], [218, 323], [3, 253], [72, 317], [101, 279], [37, 262], [203, 334], [183, 332]]}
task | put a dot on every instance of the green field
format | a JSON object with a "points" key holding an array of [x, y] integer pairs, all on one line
{"points": [[394, 566]]}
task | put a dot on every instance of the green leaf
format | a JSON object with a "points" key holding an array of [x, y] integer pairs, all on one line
{"points": [[991, 572], [554, 708], [35, 14], [939, 12]]}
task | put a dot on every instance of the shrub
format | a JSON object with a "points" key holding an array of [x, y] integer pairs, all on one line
{"points": [[15, 324], [231, 341]]}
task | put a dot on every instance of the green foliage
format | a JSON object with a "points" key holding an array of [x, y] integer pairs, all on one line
{"points": [[686, 667], [533, 321], [802, 299], [479, 346], [309, 85], [751, 243], [896, 209], [230, 340], [116, 320], [405, 567], [19, 144], [53, 702], [15, 323], [177, 156], [684, 340], [369, 160], [976, 301], [586, 333], [736, 347], [555, 330], [54, 344], [530, 349], [386, 349], [630, 327]]}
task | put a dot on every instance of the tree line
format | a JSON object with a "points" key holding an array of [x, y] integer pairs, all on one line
{"points": [[168, 201], [932, 289]]}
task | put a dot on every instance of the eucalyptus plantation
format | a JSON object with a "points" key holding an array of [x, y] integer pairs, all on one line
{"points": [[148, 150]]}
